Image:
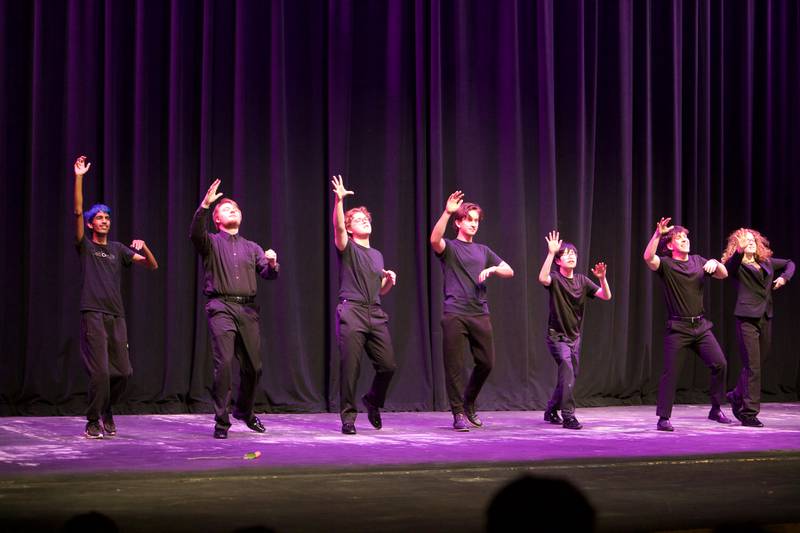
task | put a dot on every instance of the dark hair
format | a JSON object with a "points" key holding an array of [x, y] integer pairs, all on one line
{"points": [[564, 247], [464, 210], [667, 238], [553, 503], [89, 215]]}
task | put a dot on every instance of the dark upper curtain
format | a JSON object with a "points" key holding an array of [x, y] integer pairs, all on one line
{"points": [[595, 118]]}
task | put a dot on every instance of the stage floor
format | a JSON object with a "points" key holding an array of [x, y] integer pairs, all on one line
{"points": [[166, 472]]}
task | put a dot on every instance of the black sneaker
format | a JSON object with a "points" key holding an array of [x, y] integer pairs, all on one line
{"points": [[718, 416], [220, 433], [664, 425], [373, 413], [460, 422], [736, 404], [348, 428], [570, 422], [752, 422], [472, 416], [551, 415], [93, 430], [109, 427]]}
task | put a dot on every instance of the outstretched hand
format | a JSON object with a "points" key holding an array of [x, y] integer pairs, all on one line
{"points": [[553, 242], [338, 187], [778, 283], [599, 270], [454, 201], [212, 195], [390, 277], [81, 166], [711, 266], [663, 226]]}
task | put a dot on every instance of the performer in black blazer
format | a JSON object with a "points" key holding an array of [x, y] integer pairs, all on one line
{"points": [[749, 261]]}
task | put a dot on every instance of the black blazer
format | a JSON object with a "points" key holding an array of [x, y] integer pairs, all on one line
{"points": [[753, 286]]}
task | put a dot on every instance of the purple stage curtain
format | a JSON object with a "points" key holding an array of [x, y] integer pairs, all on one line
{"points": [[595, 118]]}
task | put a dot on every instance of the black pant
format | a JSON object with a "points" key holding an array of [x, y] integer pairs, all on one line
{"points": [[362, 328], [566, 353], [458, 331], [234, 330], [755, 338], [104, 350], [697, 337]]}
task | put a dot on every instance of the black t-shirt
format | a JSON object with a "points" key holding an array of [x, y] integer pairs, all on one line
{"points": [[567, 302], [360, 273], [462, 263], [101, 269], [683, 285]]}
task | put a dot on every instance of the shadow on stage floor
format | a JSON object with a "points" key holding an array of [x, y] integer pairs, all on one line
{"points": [[166, 473]]}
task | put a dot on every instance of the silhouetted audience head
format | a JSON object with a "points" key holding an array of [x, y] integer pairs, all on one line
{"points": [[539, 504], [91, 522]]}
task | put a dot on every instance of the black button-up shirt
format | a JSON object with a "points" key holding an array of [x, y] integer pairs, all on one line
{"points": [[230, 261]]}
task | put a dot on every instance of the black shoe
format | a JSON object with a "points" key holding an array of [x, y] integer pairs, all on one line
{"points": [[570, 422], [472, 416], [460, 422], [736, 404], [373, 413], [348, 428], [752, 422], [718, 416], [93, 430], [551, 416], [664, 425], [109, 427], [256, 425], [220, 433]]}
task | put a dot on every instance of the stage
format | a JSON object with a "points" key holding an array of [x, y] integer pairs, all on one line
{"points": [[166, 472]]}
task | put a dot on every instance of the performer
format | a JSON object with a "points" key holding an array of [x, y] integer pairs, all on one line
{"points": [[568, 293], [684, 276], [104, 333], [750, 263], [361, 323], [466, 266], [231, 263]]}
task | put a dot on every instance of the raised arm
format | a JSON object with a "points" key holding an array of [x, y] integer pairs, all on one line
{"points": [[650, 255], [81, 168], [454, 201], [599, 271], [553, 246], [339, 229], [199, 228], [143, 256]]}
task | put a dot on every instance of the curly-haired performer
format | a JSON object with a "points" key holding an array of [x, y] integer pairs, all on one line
{"points": [[749, 261]]}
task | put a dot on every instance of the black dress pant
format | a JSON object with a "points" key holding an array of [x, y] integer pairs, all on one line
{"points": [[363, 328], [235, 332], [755, 338], [566, 352], [696, 337], [104, 350], [458, 332]]}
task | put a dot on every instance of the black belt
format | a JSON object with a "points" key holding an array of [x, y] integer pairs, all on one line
{"points": [[236, 299], [690, 319], [356, 302]]}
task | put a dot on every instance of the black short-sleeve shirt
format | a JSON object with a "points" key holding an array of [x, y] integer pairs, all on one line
{"points": [[101, 275], [683, 285], [462, 263], [360, 273], [568, 301]]}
